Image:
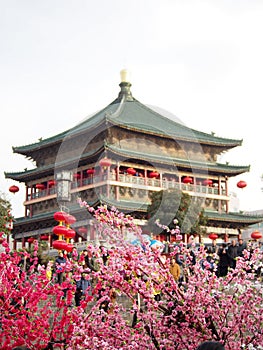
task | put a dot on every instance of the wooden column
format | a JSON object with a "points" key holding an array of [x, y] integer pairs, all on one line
{"points": [[227, 202], [117, 192]]}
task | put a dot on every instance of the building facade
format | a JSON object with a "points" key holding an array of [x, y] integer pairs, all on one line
{"points": [[120, 156]]}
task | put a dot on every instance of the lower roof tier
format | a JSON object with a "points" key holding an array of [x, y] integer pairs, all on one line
{"points": [[118, 155], [25, 226]]}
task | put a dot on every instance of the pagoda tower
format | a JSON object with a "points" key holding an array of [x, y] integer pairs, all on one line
{"points": [[119, 156]]}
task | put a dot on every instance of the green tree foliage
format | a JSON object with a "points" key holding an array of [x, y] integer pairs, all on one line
{"points": [[173, 204], [5, 215]]}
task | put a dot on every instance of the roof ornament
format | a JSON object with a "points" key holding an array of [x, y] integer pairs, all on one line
{"points": [[125, 86], [124, 95], [118, 110], [125, 75]]}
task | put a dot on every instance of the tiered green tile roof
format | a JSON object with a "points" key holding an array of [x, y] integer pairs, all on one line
{"points": [[129, 113]]}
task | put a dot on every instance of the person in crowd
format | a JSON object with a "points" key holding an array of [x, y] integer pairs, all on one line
{"points": [[78, 292], [49, 270], [208, 263], [174, 269], [224, 261], [82, 287], [74, 255], [66, 255], [25, 260], [179, 258], [232, 253], [88, 261], [60, 263], [214, 248], [241, 247], [104, 254], [210, 345], [192, 249]]}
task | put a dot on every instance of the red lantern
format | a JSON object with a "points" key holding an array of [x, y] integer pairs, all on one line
{"points": [[30, 239], [131, 171], [208, 182], [256, 235], [153, 174], [13, 189], [60, 216], [40, 187], [70, 233], [241, 184], [105, 162], [44, 237], [69, 219], [76, 176], [187, 180], [51, 183], [59, 230], [213, 236], [90, 171], [59, 244], [82, 230], [69, 247]]}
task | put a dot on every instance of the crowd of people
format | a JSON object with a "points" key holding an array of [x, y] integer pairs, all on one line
{"points": [[219, 258], [84, 264], [226, 255]]}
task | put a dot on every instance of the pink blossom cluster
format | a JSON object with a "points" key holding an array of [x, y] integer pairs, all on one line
{"points": [[123, 311]]}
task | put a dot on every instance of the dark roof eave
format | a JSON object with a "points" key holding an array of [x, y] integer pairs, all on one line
{"points": [[125, 205], [27, 150], [224, 169], [27, 174], [233, 217]]}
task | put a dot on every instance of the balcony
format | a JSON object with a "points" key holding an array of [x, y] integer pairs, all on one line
{"points": [[128, 181]]}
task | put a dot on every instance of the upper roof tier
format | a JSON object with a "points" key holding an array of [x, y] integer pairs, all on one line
{"points": [[128, 113]]}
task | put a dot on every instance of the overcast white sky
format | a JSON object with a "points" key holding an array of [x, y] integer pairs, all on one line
{"points": [[200, 60]]}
